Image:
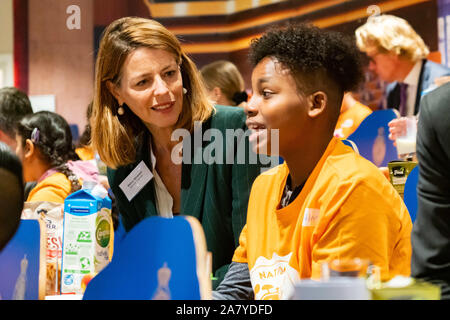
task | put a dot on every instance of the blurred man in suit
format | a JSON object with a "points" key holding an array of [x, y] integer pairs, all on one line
{"points": [[431, 231], [397, 54]]}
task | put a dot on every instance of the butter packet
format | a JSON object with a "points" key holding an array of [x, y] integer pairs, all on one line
{"points": [[406, 288], [398, 173]]}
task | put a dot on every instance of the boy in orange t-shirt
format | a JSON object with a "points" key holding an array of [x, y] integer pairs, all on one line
{"points": [[325, 202]]}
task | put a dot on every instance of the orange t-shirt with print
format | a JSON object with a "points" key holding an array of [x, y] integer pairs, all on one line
{"points": [[346, 209], [350, 119]]}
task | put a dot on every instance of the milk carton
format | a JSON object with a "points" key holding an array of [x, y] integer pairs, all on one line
{"points": [[86, 239]]}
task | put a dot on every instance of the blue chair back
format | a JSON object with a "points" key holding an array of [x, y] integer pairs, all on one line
{"points": [[22, 263], [159, 259], [372, 138], [410, 192]]}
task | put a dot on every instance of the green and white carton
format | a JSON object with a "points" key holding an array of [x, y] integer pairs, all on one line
{"points": [[87, 238]]}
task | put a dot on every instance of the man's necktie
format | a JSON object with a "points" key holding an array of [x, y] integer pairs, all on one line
{"points": [[403, 98]]}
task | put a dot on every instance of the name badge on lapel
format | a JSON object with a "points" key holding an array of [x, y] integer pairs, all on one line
{"points": [[136, 180]]}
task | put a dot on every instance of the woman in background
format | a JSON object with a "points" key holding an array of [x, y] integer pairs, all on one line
{"points": [[146, 88], [224, 83]]}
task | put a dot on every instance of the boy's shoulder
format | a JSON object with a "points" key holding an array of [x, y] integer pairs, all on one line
{"points": [[271, 175], [349, 167]]}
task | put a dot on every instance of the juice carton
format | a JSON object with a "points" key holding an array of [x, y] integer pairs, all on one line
{"points": [[86, 239], [104, 237], [104, 233]]}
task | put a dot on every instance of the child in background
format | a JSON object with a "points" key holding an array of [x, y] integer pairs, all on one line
{"points": [[352, 114], [84, 149], [44, 145]]}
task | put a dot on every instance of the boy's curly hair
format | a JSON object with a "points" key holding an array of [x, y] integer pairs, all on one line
{"points": [[311, 53]]}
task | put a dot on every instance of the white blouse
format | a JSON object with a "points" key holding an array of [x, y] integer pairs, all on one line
{"points": [[164, 201]]}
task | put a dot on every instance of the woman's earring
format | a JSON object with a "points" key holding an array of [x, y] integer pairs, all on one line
{"points": [[120, 111], [184, 90]]}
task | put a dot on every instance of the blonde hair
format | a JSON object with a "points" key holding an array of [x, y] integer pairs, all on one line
{"points": [[224, 75], [392, 34], [113, 136]]}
